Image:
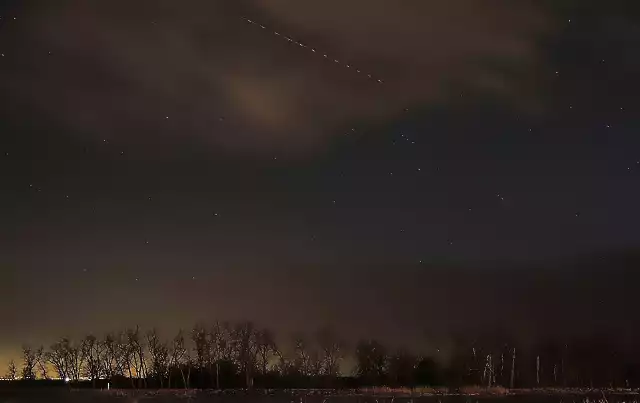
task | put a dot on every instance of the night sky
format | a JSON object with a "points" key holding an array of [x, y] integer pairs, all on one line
{"points": [[396, 168]]}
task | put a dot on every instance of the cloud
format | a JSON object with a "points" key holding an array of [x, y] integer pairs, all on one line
{"points": [[121, 67]]}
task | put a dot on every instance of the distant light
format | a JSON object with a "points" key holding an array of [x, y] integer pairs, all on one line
{"points": [[66, 379]]}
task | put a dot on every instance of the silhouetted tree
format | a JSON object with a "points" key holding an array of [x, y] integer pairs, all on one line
{"points": [[92, 353], [426, 372], [301, 364], [228, 355], [113, 352], [401, 367], [29, 363], [136, 355], [371, 361], [41, 363], [75, 357], [332, 352], [159, 356], [267, 350], [12, 371], [246, 347], [58, 358], [179, 356]]}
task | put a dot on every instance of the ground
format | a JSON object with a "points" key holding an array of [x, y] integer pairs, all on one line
{"points": [[166, 396]]}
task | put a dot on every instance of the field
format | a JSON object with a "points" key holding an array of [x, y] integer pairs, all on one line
{"points": [[204, 396]]}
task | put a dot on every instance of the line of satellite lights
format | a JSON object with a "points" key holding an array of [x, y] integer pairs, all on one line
{"points": [[302, 45]]}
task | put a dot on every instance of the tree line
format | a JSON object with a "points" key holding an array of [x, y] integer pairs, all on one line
{"points": [[243, 355]]}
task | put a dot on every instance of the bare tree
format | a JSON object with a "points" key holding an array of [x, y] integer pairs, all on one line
{"points": [[402, 367], [136, 358], [12, 371], [67, 359], [57, 356], [266, 350], [200, 345], [113, 355], [220, 349], [283, 365], [159, 356], [332, 350], [29, 363], [211, 346], [202, 349], [315, 362], [179, 357], [225, 341], [245, 342], [301, 357], [41, 361], [92, 352], [75, 357], [371, 360]]}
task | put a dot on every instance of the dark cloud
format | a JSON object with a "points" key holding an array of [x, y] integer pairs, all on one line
{"points": [[132, 65]]}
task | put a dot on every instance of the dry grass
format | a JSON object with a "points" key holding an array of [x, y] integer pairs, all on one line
{"points": [[480, 390]]}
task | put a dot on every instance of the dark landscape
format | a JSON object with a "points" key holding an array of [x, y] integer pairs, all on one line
{"points": [[319, 201], [309, 397]]}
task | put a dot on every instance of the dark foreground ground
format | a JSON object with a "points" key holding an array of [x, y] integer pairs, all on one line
{"points": [[203, 396]]}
